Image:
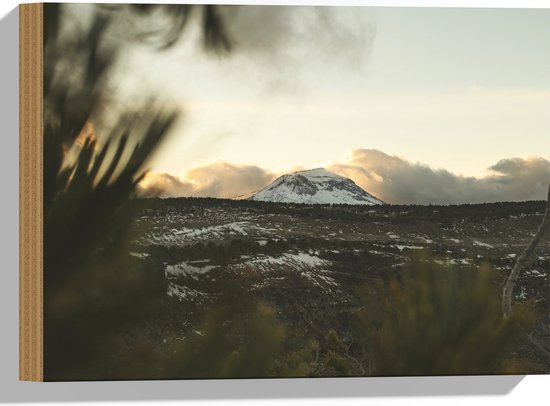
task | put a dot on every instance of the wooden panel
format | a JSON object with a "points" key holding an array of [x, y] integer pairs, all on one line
{"points": [[30, 192]]}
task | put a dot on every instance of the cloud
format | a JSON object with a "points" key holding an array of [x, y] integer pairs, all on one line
{"points": [[397, 180], [390, 178], [281, 44], [165, 185], [217, 179], [344, 34]]}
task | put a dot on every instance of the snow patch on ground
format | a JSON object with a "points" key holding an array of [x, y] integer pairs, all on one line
{"points": [[189, 269], [307, 264], [453, 261], [523, 294], [535, 273], [139, 254], [237, 227], [482, 244], [426, 240], [300, 260], [318, 280], [408, 247], [185, 293], [218, 232]]}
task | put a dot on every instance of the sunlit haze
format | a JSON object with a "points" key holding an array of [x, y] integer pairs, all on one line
{"points": [[452, 89]]}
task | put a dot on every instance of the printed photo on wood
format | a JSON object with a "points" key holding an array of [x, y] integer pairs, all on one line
{"points": [[253, 191]]}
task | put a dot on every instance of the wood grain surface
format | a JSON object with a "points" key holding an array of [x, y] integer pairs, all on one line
{"points": [[30, 192]]}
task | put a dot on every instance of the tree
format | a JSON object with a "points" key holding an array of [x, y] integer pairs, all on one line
{"points": [[521, 263]]}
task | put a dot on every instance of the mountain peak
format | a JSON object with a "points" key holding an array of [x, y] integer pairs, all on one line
{"points": [[316, 172], [315, 186]]}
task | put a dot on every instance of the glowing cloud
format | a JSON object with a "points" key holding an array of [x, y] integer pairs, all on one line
{"points": [[217, 179], [390, 178], [397, 180]]}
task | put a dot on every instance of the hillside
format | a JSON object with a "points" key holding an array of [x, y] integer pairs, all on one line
{"points": [[308, 261]]}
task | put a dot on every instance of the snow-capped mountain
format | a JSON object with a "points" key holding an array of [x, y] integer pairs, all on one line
{"points": [[315, 186]]}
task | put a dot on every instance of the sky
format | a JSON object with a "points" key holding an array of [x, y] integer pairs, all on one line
{"points": [[460, 94]]}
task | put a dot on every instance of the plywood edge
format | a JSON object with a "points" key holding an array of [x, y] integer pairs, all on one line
{"points": [[30, 193]]}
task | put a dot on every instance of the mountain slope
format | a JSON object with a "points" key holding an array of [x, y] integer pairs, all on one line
{"points": [[315, 186]]}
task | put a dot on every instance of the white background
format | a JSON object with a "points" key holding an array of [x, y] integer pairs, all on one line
{"points": [[489, 390]]}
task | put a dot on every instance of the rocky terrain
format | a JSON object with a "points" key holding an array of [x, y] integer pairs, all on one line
{"points": [[308, 260]]}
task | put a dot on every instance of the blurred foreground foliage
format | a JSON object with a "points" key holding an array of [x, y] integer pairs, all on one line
{"points": [[431, 319], [93, 288], [438, 320]]}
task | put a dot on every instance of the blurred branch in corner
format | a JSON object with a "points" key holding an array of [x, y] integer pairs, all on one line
{"points": [[91, 286]]}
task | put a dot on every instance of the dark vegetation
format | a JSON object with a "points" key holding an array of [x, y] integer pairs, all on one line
{"points": [[397, 213], [392, 312], [391, 308], [91, 287]]}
